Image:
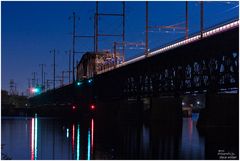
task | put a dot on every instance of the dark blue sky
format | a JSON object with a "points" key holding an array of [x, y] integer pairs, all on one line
{"points": [[31, 29]]}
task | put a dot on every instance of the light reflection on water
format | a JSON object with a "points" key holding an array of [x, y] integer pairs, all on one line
{"points": [[34, 138], [55, 139], [192, 145]]}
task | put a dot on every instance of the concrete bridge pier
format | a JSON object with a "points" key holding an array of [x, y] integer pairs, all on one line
{"points": [[127, 109], [166, 109], [222, 110], [131, 109], [218, 123]]}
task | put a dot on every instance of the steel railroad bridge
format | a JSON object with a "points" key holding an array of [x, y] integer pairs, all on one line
{"points": [[206, 63]]}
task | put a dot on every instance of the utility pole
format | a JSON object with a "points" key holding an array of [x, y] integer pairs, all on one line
{"points": [[42, 65], [73, 47], [201, 18], [69, 65], [54, 66], [29, 87], [94, 33], [115, 54], [96, 28], [15, 89], [44, 80], [48, 81], [123, 28], [146, 43], [186, 37], [62, 81], [12, 87], [34, 79]]}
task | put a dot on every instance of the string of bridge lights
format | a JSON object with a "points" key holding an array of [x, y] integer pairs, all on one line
{"points": [[175, 45]]}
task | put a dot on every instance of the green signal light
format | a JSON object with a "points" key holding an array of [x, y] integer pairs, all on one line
{"points": [[90, 81], [36, 90]]}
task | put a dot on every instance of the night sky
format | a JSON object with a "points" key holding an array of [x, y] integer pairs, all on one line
{"points": [[29, 30]]}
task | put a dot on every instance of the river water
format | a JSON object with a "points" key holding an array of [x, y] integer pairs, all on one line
{"points": [[47, 138]]}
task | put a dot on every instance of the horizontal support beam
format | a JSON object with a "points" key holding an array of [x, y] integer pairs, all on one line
{"points": [[85, 36], [62, 77], [131, 43], [110, 14], [109, 35], [79, 52]]}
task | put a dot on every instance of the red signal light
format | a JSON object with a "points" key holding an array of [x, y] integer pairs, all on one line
{"points": [[73, 107], [92, 107]]}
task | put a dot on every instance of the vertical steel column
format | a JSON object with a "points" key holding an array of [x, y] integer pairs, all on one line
{"points": [[44, 82], [29, 87], [146, 40], [186, 20], [73, 47], [62, 81], [69, 66], [201, 18], [96, 28], [54, 67], [34, 79], [115, 54], [42, 65], [123, 36], [94, 32]]}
